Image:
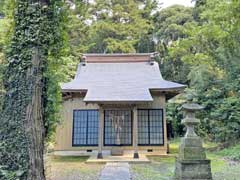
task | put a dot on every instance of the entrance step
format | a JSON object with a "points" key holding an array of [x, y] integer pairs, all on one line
{"points": [[115, 171], [126, 158]]}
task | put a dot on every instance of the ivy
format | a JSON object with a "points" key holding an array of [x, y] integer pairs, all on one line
{"points": [[36, 26]]}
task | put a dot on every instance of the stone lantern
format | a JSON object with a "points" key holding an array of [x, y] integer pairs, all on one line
{"points": [[191, 162]]}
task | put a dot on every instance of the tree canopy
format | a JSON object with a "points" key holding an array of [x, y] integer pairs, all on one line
{"points": [[210, 50], [113, 26]]}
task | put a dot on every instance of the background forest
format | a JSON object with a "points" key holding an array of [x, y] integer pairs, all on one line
{"points": [[198, 46]]}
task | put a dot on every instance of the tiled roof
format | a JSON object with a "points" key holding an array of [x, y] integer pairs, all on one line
{"points": [[126, 81]]}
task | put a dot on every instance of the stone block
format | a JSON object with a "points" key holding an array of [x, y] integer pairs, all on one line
{"points": [[193, 169], [191, 142], [117, 151], [192, 153]]}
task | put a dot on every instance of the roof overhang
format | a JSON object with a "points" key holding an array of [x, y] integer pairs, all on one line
{"points": [[170, 92]]}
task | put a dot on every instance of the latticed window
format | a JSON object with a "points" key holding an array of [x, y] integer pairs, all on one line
{"points": [[85, 127], [117, 127], [150, 127]]}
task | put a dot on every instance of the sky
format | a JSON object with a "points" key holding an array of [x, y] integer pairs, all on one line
{"points": [[167, 3]]}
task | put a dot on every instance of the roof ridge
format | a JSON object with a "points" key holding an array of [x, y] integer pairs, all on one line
{"points": [[117, 54], [124, 57]]}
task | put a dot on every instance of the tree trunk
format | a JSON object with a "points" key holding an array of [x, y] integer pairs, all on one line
{"points": [[34, 116], [22, 117], [34, 120]]}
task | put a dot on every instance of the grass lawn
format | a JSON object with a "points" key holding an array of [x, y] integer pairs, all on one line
{"points": [[71, 168], [163, 168], [74, 167]]}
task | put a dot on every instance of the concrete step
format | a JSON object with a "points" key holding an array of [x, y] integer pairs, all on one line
{"points": [[127, 158]]}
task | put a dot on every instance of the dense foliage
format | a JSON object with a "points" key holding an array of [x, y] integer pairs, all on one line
{"points": [[112, 26], [6, 23], [170, 27], [210, 50]]}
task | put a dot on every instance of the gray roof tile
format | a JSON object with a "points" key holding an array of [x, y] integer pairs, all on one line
{"points": [[119, 81]]}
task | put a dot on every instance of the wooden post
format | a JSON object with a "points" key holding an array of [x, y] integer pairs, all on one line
{"points": [[135, 133], [165, 140], [100, 132]]}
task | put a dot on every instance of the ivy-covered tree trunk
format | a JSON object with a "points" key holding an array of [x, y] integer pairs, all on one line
{"points": [[34, 118], [22, 129]]}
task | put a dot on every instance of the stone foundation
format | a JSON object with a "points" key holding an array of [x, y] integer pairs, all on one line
{"points": [[193, 169]]}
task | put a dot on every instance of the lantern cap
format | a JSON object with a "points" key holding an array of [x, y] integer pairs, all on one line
{"points": [[192, 107]]}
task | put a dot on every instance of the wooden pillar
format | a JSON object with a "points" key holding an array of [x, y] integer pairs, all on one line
{"points": [[135, 133], [165, 125], [100, 132]]}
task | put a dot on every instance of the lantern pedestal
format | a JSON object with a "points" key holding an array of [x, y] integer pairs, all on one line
{"points": [[193, 169], [191, 162]]}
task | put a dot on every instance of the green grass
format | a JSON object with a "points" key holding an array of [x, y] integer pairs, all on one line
{"points": [[71, 168], [69, 158], [163, 168], [160, 168], [232, 153], [223, 169], [217, 163], [155, 158], [174, 145], [209, 145]]}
